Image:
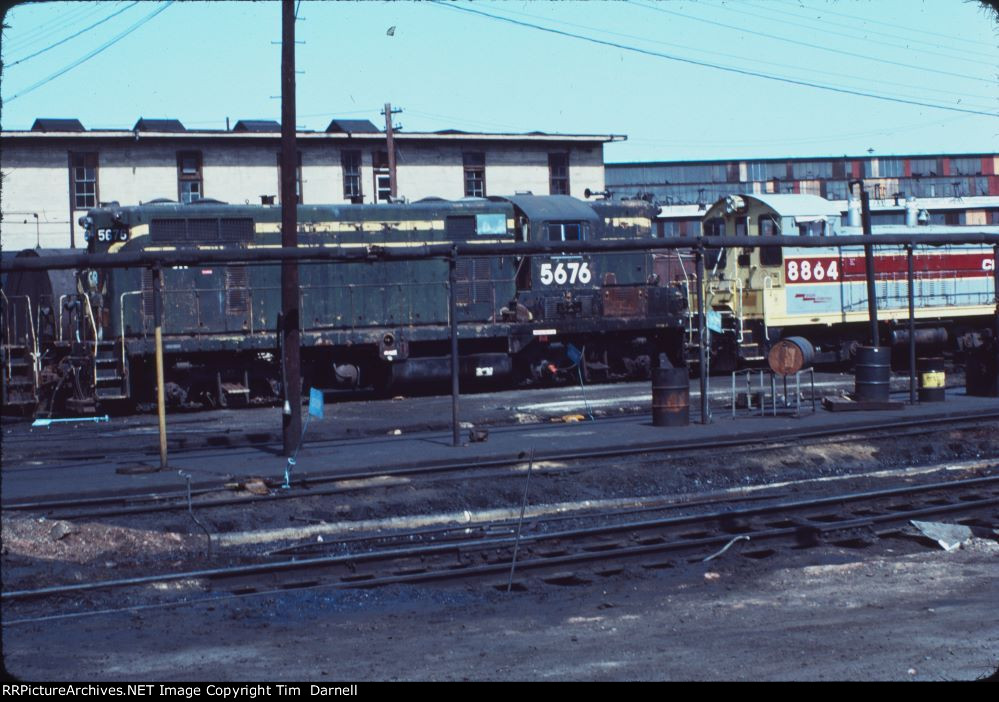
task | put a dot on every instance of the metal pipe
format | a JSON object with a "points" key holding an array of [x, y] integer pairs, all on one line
{"points": [[368, 252], [292, 415], [390, 144], [520, 523], [912, 326], [701, 333], [452, 276], [872, 299], [995, 283], [160, 391]]}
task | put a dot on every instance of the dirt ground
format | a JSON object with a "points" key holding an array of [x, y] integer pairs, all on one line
{"points": [[904, 612], [900, 609]]}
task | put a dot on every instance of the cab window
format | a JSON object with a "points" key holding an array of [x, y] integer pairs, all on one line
{"points": [[715, 258], [566, 231], [770, 255]]}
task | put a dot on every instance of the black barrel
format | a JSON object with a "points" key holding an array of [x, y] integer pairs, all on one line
{"points": [[670, 397], [873, 373], [982, 372], [932, 379]]}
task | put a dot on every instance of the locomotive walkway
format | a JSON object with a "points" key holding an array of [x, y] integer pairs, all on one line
{"points": [[97, 471]]}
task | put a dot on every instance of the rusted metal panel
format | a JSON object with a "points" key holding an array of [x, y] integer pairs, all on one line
{"points": [[625, 302]]}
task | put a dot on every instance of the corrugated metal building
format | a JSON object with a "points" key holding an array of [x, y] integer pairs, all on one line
{"points": [[955, 188]]}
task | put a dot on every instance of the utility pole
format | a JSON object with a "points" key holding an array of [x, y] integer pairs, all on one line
{"points": [[291, 359], [389, 135]]}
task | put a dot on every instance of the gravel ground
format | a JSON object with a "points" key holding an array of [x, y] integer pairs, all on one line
{"points": [[826, 614], [898, 610]]}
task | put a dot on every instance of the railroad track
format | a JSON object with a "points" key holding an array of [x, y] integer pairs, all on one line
{"points": [[584, 553], [121, 504]]}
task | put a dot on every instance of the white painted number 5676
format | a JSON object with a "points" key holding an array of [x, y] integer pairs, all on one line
{"points": [[568, 272]]}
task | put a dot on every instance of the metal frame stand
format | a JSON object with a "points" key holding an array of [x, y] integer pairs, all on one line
{"points": [[749, 389], [773, 391]]}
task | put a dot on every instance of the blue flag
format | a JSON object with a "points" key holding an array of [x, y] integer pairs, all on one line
{"points": [[316, 403]]}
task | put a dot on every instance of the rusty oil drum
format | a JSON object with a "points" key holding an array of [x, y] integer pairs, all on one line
{"points": [[790, 355], [670, 397], [872, 371], [932, 379]]}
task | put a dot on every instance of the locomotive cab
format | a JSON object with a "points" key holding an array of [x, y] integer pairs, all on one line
{"points": [[764, 294]]}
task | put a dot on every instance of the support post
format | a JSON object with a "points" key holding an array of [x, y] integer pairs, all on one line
{"points": [[995, 283], [292, 416], [872, 299], [702, 336], [912, 325], [452, 280], [390, 144], [160, 390]]}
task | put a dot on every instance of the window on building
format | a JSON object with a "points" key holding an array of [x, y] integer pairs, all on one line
{"points": [[383, 178], [83, 175], [892, 168], [475, 173], [923, 166], [558, 174], [350, 161], [189, 179], [298, 178]]}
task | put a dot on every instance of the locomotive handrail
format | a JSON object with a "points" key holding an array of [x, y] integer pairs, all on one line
{"points": [[121, 313], [93, 324], [447, 250]]}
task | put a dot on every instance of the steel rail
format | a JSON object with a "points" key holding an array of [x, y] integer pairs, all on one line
{"points": [[445, 250], [481, 544], [447, 467]]}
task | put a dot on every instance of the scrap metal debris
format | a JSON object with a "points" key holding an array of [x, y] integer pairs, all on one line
{"points": [[256, 487], [949, 536]]}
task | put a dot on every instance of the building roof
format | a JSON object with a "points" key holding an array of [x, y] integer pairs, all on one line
{"points": [[338, 129], [352, 126], [48, 124], [257, 125], [158, 125], [789, 205]]}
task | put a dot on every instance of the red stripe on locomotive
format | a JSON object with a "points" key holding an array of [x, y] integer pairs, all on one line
{"points": [[889, 267]]}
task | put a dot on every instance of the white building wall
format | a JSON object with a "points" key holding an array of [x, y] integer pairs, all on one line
{"points": [[36, 175], [34, 181]]}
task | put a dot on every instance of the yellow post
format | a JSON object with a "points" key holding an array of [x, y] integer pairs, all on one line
{"points": [[160, 392]]}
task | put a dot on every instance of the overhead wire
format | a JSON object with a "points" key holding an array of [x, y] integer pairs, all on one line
{"points": [[854, 36], [73, 36], [879, 81], [827, 11], [42, 32], [706, 64], [776, 37], [114, 40], [824, 138]]}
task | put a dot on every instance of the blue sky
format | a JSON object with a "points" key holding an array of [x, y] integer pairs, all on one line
{"points": [[447, 65]]}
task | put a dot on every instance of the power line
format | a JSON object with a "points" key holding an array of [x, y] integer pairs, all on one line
{"points": [[705, 64], [826, 138], [41, 33], [93, 53], [52, 46], [868, 31], [886, 24], [963, 94], [811, 46]]}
